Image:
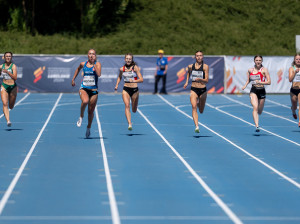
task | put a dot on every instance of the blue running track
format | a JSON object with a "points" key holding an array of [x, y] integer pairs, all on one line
{"points": [[161, 172]]}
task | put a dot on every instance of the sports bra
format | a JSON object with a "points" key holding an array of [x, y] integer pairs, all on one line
{"points": [[257, 76], [4, 74], [90, 78], [129, 75], [297, 75], [197, 73]]}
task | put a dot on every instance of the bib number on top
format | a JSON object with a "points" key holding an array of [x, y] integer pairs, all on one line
{"points": [[89, 80], [127, 76], [6, 76], [196, 75], [297, 77]]}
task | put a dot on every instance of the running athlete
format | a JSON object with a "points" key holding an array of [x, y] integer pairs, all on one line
{"points": [[9, 88], [132, 76], [294, 77], [88, 91], [258, 77], [199, 73]]}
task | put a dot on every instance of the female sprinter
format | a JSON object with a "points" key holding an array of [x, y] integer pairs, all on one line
{"points": [[258, 77], [9, 88], [88, 91], [294, 77], [132, 76], [199, 73]]}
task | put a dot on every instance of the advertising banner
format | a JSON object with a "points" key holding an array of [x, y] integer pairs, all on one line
{"points": [[236, 73], [54, 73]]}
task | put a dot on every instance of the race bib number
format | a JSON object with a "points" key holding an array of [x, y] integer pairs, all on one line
{"points": [[253, 79], [127, 76], [89, 80], [196, 75], [297, 77], [6, 76]]}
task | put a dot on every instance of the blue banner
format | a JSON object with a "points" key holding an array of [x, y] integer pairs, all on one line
{"points": [[54, 73]]}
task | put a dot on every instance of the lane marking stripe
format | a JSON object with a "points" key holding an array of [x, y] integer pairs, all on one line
{"points": [[214, 196], [14, 182], [110, 189], [238, 147], [20, 101]]}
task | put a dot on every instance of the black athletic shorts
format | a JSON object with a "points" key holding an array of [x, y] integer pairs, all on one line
{"points": [[131, 91], [260, 92], [198, 91], [295, 91], [90, 92]]}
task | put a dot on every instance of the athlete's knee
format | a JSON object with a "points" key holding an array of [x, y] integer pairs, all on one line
{"points": [[85, 101], [5, 104], [194, 106], [127, 106], [255, 108]]}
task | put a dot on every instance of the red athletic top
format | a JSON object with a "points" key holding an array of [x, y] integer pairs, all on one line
{"points": [[257, 76], [132, 70]]}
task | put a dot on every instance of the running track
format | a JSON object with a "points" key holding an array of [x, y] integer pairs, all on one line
{"points": [[161, 172]]}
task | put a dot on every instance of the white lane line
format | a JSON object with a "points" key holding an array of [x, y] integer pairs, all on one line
{"points": [[238, 118], [149, 105], [228, 105], [246, 105], [158, 218], [111, 195], [20, 101], [279, 104], [238, 147], [214, 196], [22, 167], [184, 105]]}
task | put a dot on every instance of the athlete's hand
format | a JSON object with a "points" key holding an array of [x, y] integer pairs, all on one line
{"points": [[73, 82], [116, 88], [185, 85]]}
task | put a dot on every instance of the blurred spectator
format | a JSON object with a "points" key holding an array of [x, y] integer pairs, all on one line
{"points": [[161, 72]]}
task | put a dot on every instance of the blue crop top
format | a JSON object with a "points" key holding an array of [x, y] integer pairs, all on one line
{"points": [[90, 78]]}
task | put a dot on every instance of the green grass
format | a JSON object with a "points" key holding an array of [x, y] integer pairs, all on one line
{"points": [[181, 27]]}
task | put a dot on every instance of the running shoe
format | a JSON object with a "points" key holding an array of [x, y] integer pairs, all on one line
{"points": [[257, 129], [88, 132], [8, 124], [79, 122], [130, 127], [197, 130]]}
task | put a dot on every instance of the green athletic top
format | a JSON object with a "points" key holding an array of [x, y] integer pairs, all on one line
{"points": [[4, 74]]}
